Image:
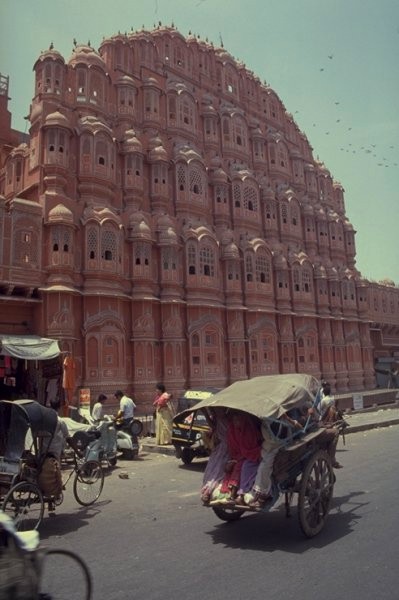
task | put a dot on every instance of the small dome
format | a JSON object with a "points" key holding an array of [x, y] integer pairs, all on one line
{"points": [[125, 80], [50, 54], [139, 228], [156, 150], [131, 143], [87, 55], [279, 261], [60, 214], [168, 236], [231, 252], [218, 174], [57, 119], [94, 124]]}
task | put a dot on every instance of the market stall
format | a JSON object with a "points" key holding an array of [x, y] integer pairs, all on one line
{"points": [[30, 367]]}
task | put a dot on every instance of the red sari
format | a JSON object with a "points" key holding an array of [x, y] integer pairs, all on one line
{"points": [[244, 442]]}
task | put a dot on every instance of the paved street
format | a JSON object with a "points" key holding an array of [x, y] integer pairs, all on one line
{"points": [[149, 537]]}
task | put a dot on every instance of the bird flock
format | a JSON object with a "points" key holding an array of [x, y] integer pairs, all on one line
{"points": [[385, 156]]}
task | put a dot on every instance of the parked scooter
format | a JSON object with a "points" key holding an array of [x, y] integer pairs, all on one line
{"points": [[128, 438], [94, 441]]}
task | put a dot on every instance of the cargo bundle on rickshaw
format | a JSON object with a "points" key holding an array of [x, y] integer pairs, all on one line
{"points": [[31, 443], [268, 441]]}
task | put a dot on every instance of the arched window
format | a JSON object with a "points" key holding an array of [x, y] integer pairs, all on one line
{"points": [[56, 147], [196, 184], [250, 199], [96, 88], [86, 154], [186, 113], [172, 109], [191, 259], [262, 268], [92, 244], [226, 130], [307, 279], [207, 261], [108, 245], [81, 87], [101, 154], [237, 195], [249, 268], [181, 178]]}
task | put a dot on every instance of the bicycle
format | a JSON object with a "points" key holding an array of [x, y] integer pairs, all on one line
{"points": [[31, 572]]}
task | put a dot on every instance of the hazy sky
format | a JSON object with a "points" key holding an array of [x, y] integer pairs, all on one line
{"points": [[333, 63]]}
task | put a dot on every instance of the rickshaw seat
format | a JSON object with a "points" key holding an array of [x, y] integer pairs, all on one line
{"points": [[9, 466]]}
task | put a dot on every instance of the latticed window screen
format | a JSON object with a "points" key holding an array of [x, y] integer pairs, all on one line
{"points": [[169, 259], [249, 267], [221, 194], [192, 259], [284, 213], [237, 195], [60, 239], [306, 280], [295, 276], [26, 249], [142, 254], [108, 245], [250, 199], [92, 243], [181, 177], [207, 261], [262, 266], [196, 186]]}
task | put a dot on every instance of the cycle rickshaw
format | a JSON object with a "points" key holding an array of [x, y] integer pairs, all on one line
{"points": [[303, 464], [28, 431]]}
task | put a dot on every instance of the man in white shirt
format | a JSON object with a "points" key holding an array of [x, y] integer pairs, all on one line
{"points": [[126, 408], [98, 411]]}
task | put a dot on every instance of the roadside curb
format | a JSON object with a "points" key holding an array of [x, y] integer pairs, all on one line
{"points": [[367, 426], [148, 447]]}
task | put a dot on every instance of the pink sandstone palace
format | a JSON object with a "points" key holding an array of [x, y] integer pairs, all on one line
{"points": [[165, 220]]}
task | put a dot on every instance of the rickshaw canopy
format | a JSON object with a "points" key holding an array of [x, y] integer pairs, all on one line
{"points": [[265, 397], [19, 416]]}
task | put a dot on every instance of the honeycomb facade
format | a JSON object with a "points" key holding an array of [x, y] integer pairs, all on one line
{"points": [[167, 221]]}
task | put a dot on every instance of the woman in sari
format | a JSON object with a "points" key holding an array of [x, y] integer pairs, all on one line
{"points": [[164, 416]]}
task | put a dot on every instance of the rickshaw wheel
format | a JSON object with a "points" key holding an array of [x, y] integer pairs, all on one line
{"points": [[88, 483], [227, 514], [315, 493], [25, 505], [187, 456]]}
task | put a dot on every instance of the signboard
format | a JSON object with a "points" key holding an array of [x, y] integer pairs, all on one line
{"points": [[84, 398], [358, 402]]}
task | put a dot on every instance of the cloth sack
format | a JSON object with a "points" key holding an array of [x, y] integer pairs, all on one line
{"points": [[50, 479]]}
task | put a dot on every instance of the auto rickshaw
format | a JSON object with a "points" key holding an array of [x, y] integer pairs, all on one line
{"points": [[191, 430], [303, 463]]}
